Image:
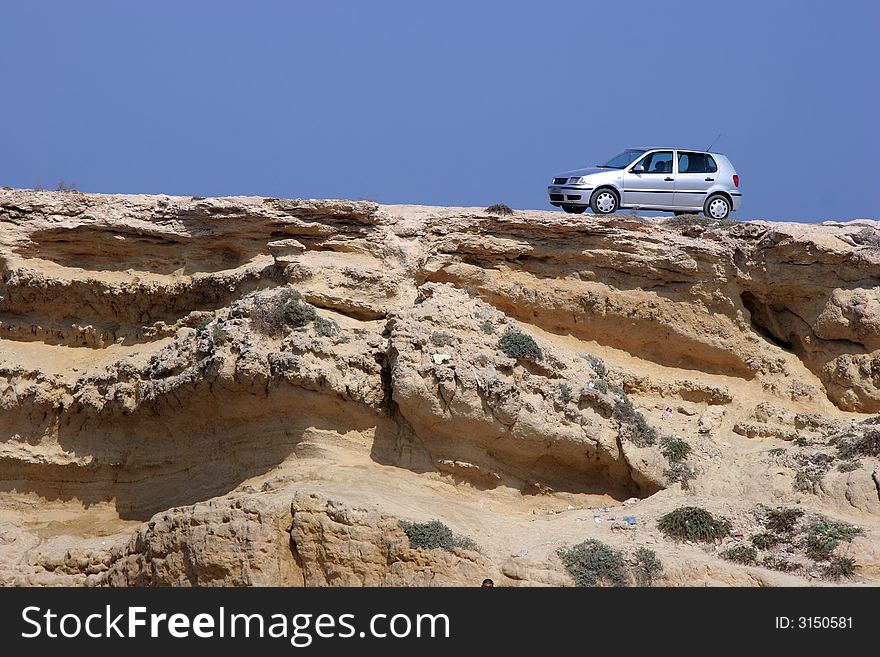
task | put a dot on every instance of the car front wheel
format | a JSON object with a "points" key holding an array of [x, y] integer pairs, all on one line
{"points": [[716, 207], [573, 209], [603, 201]]}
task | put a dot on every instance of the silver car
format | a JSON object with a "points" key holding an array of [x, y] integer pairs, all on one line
{"points": [[668, 179]]}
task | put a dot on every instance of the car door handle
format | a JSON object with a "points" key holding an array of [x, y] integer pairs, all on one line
{"points": [[708, 179], [668, 179]]}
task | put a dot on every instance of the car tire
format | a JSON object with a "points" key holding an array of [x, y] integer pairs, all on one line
{"points": [[573, 209], [717, 207], [604, 201]]}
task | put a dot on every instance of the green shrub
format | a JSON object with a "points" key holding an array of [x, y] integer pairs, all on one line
{"points": [[633, 426], [487, 327], [674, 448], [765, 540], [839, 567], [744, 554], [519, 345], [647, 568], [868, 444], [776, 451], [823, 535], [565, 393], [693, 524], [592, 562], [482, 360], [600, 385], [800, 441], [326, 327], [499, 208], [680, 473], [597, 365], [782, 521], [442, 339], [203, 325], [434, 534], [219, 334], [274, 314], [849, 466]]}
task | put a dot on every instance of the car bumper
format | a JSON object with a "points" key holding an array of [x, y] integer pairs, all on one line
{"points": [[569, 195], [737, 200]]}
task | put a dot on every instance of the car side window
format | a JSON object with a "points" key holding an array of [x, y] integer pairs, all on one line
{"points": [[659, 162], [696, 163]]}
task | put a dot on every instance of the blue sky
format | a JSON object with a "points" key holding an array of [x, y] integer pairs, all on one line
{"points": [[451, 103]]}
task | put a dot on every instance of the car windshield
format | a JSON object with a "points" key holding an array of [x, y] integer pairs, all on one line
{"points": [[623, 159]]}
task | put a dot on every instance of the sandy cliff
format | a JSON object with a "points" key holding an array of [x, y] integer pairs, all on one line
{"points": [[249, 391]]}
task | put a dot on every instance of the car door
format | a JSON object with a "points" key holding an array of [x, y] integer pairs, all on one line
{"points": [[697, 173], [650, 181]]}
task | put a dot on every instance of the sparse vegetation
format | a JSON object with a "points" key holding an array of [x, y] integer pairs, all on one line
{"points": [[633, 426], [810, 471], [482, 360], [777, 451], [839, 567], [65, 186], [516, 344], [868, 444], [219, 334], [565, 393], [600, 385], [782, 521], [274, 314], [780, 563], [823, 536], [500, 209], [592, 562], [680, 473], [434, 534], [693, 524], [848, 466], [442, 339], [744, 554], [765, 540], [801, 441], [674, 448], [647, 568], [326, 327], [597, 365], [487, 327], [203, 325], [298, 313]]}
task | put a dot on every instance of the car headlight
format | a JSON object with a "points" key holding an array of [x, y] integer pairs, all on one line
{"points": [[578, 181]]}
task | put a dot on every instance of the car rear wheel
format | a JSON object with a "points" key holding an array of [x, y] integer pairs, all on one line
{"points": [[716, 207], [573, 209], [603, 201]]}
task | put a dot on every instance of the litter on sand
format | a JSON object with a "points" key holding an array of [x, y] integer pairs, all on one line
{"points": [[597, 519], [630, 520]]}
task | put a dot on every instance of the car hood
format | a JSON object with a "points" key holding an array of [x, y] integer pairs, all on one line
{"points": [[582, 172]]}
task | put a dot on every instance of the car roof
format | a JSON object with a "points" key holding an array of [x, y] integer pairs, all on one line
{"points": [[671, 148]]}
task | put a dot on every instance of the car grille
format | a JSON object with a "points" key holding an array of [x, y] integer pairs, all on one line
{"points": [[560, 181], [556, 197]]}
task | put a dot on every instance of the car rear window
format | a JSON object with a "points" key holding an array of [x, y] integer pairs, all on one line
{"points": [[696, 163]]}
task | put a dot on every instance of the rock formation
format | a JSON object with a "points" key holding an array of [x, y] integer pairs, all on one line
{"points": [[249, 391]]}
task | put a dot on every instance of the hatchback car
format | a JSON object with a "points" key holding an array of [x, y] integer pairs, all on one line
{"points": [[666, 179]]}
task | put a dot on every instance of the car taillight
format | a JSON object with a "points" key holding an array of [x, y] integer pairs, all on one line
{"points": [[736, 181]]}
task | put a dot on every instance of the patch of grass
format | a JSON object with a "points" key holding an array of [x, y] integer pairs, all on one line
{"points": [[487, 327], [801, 441], [823, 536], [597, 365], [519, 345], [744, 554], [633, 426], [680, 473], [782, 521], [839, 567], [647, 568], [325, 327], [693, 524], [765, 540], [565, 393], [675, 449], [434, 534], [777, 451], [203, 325], [848, 466], [868, 444], [482, 360], [592, 562], [500, 209], [219, 334], [442, 339]]}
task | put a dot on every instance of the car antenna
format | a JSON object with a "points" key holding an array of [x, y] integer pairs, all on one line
{"points": [[713, 142]]}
